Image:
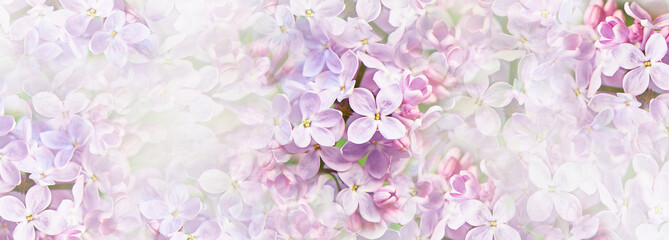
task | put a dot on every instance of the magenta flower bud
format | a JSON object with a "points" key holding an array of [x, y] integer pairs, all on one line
{"points": [[613, 32], [401, 145], [593, 15], [410, 111], [415, 89], [635, 33], [487, 191], [464, 186], [449, 167], [385, 196]]}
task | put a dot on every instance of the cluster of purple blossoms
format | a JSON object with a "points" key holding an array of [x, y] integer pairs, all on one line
{"points": [[334, 119]]}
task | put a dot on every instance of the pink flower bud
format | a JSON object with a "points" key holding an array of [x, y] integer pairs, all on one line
{"points": [[410, 111], [401, 145], [635, 33], [385, 196], [593, 15], [613, 32], [464, 186]]}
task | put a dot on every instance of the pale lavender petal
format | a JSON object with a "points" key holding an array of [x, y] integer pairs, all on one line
{"points": [[368, 9], [49, 222], [636, 81], [170, 225], [281, 106], [47, 104], [628, 56], [659, 75], [99, 42], [24, 230], [567, 206], [74, 5], [12, 209], [498, 95], [55, 139], [47, 51], [332, 61], [190, 209], [391, 128], [310, 102], [117, 52], [63, 157], [539, 205], [301, 136], [79, 130], [322, 136], [352, 176], [329, 8], [362, 129], [313, 64], [480, 233], [283, 132], [37, 199], [331, 156], [656, 47], [362, 102], [505, 232], [504, 209], [327, 118], [15, 150], [475, 212], [354, 152], [7, 123], [154, 209], [348, 200], [214, 181], [158, 9], [487, 120], [66, 174], [77, 24], [308, 165], [377, 163], [389, 99], [9, 173], [134, 32], [368, 210]]}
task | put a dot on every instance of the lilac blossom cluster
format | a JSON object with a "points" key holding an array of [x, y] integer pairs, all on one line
{"points": [[333, 119]]}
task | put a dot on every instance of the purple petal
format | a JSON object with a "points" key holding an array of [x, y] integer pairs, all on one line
{"points": [[362, 102], [208, 230], [170, 225], [368, 9], [24, 230], [282, 133], [659, 75], [354, 152], [12, 209], [310, 102], [391, 128], [628, 56], [322, 136], [301, 136], [487, 120], [77, 24], [79, 130], [332, 61], [63, 157], [567, 206], [37, 199], [368, 210], [74, 5], [656, 47], [329, 8], [636, 81], [9, 173], [504, 209], [377, 163], [66, 174], [332, 158], [308, 166], [313, 64], [281, 106], [154, 209], [134, 32], [99, 42], [47, 104], [115, 21], [539, 206], [362, 129], [191, 208], [480, 233], [47, 51], [349, 200], [352, 176], [7, 123], [327, 118], [55, 139], [505, 232], [389, 99], [117, 52], [15, 150], [349, 65], [50, 222]]}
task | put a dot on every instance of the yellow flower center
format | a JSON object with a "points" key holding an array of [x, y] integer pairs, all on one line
{"points": [[377, 116], [413, 192], [479, 101], [30, 218], [493, 224], [627, 103], [364, 41], [235, 184], [309, 13], [540, 138], [190, 237], [92, 12], [354, 187], [577, 92], [317, 146], [544, 13], [283, 28], [523, 40], [658, 209], [75, 144], [42, 175], [94, 178], [276, 121], [626, 203], [175, 213], [551, 189], [113, 33], [326, 46], [647, 63], [306, 123]]}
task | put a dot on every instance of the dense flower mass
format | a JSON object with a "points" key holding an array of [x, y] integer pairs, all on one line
{"points": [[334, 119]]}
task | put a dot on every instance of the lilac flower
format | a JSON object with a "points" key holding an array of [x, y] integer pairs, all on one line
{"points": [[315, 122], [209, 230], [33, 214], [368, 9], [115, 36], [276, 126], [49, 105], [489, 226], [172, 211], [339, 86], [309, 164], [44, 172], [643, 66], [375, 114], [77, 135], [378, 151], [281, 30], [33, 51], [42, 18], [356, 196], [236, 190], [554, 192], [9, 154], [321, 54], [84, 12]]}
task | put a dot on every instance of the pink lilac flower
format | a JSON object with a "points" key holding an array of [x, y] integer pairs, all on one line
{"points": [[44, 172], [283, 35], [321, 54], [32, 215], [315, 122], [375, 114], [644, 67], [277, 125], [554, 192], [356, 196], [115, 37], [613, 31]]}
